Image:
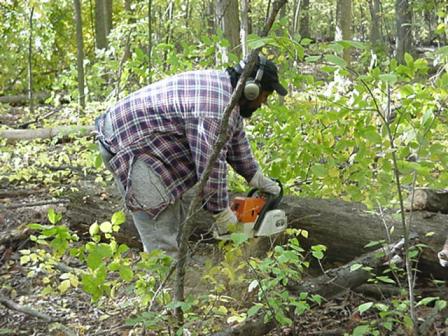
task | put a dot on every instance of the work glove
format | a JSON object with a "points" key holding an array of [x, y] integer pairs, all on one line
{"points": [[264, 184], [223, 220]]}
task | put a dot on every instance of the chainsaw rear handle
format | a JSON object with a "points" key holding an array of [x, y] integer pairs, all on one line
{"points": [[269, 196], [272, 202]]}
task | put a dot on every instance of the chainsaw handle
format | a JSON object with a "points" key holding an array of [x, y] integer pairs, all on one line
{"points": [[269, 196]]}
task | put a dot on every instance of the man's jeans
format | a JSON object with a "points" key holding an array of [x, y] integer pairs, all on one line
{"points": [[161, 232]]}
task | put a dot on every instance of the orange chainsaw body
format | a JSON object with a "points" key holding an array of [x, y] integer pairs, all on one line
{"points": [[247, 209]]}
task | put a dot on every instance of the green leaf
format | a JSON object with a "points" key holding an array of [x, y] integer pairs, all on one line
{"points": [[355, 267], [254, 310], [94, 229], [361, 330], [238, 238], [64, 286], [312, 59], [118, 218], [408, 59], [35, 226], [126, 273], [385, 279], [106, 227], [53, 216], [364, 307], [389, 78], [335, 60], [319, 170], [426, 301]]}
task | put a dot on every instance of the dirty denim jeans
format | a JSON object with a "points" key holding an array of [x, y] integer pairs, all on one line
{"points": [[155, 233]]}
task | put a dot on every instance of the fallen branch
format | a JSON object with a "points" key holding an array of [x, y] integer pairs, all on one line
{"points": [[24, 99], [33, 204], [24, 309], [46, 133]]}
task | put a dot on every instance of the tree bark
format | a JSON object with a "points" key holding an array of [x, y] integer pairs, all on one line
{"points": [[244, 31], [429, 200], [103, 22], [46, 133], [30, 64], [304, 28], [403, 18], [227, 15], [80, 52], [344, 25], [375, 23]]}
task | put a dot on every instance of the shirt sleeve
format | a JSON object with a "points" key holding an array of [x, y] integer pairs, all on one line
{"points": [[201, 136], [239, 154]]}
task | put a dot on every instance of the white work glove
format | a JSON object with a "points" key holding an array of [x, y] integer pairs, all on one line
{"points": [[264, 184], [223, 220]]}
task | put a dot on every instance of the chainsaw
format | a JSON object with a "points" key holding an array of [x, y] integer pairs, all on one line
{"points": [[258, 214]]}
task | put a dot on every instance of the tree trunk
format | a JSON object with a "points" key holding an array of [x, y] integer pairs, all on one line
{"points": [[343, 29], [30, 63], [375, 23], [304, 28], [149, 41], [245, 5], [344, 227], [45, 133], [227, 15], [403, 18], [103, 22], [80, 52]]}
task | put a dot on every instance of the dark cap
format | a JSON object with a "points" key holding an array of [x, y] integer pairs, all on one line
{"points": [[269, 81]]}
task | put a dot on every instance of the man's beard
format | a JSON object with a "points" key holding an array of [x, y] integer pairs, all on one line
{"points": [[246, 111]]}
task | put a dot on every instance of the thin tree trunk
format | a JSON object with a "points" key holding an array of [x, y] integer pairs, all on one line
{"points": [[80, 52], [375, 23], [103, 22], [169, 32], [403, 18], [344, 25], [244, 26], [30, 64], [227, 15], [126, 49], [149, 40], [304, 28], [187, 227]]}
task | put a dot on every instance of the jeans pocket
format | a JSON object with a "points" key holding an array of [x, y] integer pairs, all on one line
{"points": [[147, 187]]}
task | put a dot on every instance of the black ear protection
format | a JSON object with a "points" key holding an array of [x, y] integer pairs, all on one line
{"points": [[252, 88]]}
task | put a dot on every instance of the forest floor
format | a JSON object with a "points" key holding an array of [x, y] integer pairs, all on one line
{"points": [[76, 314], [31, 184]]}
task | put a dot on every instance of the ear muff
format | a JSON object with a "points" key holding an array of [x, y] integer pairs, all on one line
{"points": [[252, 88]]}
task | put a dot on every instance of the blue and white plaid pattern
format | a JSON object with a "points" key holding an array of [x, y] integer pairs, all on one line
{"points": [[172, 125]]}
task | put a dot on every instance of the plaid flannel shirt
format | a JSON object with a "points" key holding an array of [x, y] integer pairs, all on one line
{"points": [[172, 125]]}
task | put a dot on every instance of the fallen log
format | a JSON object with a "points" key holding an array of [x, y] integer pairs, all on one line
{"points": [[46, 133], [24, 309], [24, 98], [429, 200], [345, 228]]}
